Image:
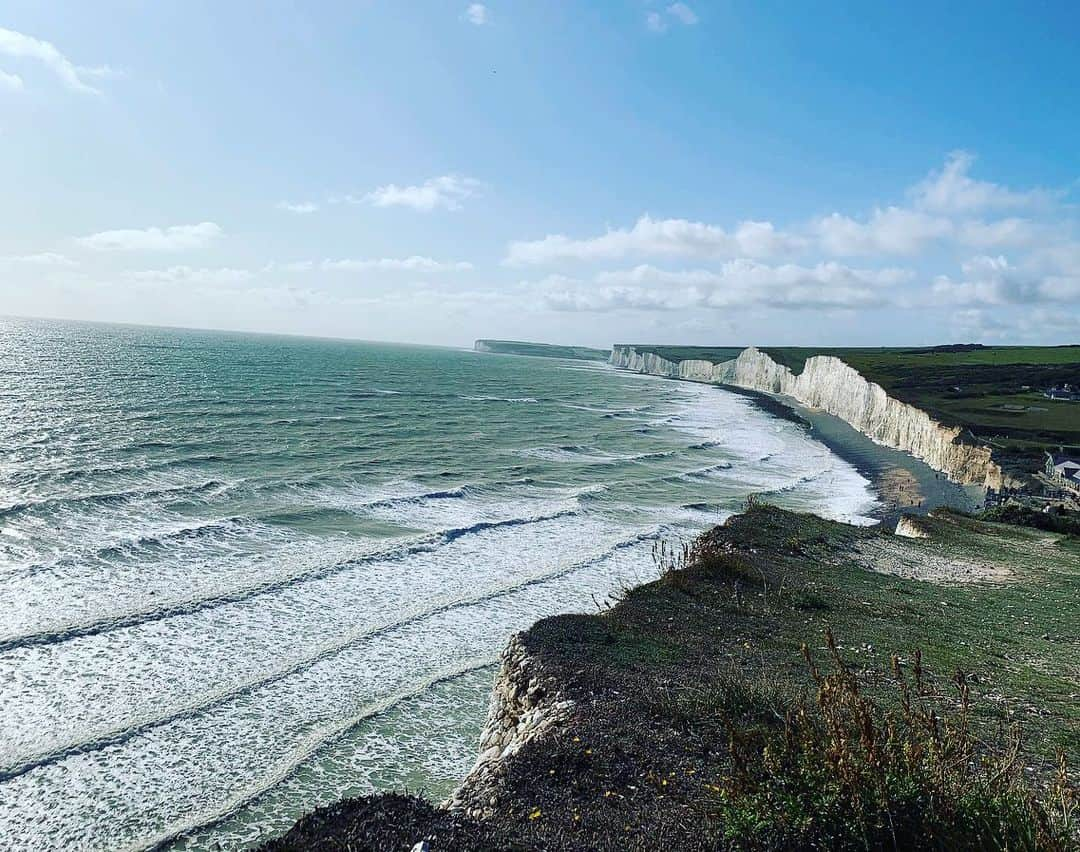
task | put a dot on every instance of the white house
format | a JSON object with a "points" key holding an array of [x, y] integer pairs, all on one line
{"points": [[1063, 470]]}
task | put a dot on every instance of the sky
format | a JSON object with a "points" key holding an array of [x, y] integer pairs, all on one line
{"points": [[733, 172]]}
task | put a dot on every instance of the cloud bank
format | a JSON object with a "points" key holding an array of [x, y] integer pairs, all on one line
{"points": [[174, 238]]}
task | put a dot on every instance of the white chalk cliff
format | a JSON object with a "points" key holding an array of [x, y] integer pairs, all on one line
{"points": [[525, 706], [827, 383]]}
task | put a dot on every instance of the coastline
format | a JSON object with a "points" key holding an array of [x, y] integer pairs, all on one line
{"points": [[461, 823], [828, 383], [625, 724], [903, 483]]}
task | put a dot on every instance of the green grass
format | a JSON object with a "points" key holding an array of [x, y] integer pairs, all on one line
{"points": [[733, 618], [890, 360]]}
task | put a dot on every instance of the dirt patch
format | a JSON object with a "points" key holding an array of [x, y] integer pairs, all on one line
{"points": [[909, 560]]}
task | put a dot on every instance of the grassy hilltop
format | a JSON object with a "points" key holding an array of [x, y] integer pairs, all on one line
{"points": [[993, 391], [771, 692]]}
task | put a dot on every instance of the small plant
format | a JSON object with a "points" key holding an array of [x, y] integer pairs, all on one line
{"points": [[669, 557], [843, 773]]}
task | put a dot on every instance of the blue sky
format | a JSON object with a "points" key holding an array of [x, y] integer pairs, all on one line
{"points": [[727, 172]]}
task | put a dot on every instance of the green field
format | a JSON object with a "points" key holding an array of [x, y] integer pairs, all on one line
{"points": [[993, 391], [543, 350]]}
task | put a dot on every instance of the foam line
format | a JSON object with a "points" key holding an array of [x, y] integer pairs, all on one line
{"points": [[307, 747], [107, 625], [121, 735]]}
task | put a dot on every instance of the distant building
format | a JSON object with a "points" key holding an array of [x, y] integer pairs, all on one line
{"points": [[1065, 391], [1063, 471]]}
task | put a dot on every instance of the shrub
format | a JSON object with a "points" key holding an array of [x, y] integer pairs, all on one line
{"points": [[1056, 520]]}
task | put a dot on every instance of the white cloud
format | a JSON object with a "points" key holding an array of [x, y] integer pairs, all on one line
{"points": [[415, 263], [894, 230], [1044, 318], [447, 191], [975, 324], [22, 46], [175, 238], [47, 258], [302, 207], [680, 12], [952, 190], [995, 281], [737, 284], [12, 82], [887, 231], [477, 14], [1002, 233], [100, 72], [761, 239], [683, 12], [656, 237], [950, 216], [189, 275]]}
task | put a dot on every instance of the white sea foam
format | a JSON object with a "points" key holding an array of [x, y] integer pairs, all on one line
{"points": [[197, 629]]}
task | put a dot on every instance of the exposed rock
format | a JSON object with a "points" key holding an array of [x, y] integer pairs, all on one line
{"points": [[524, 706], [829, 384], [909, 527]]}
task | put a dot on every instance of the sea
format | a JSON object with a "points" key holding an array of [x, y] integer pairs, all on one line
{"points": [[243, 576]]}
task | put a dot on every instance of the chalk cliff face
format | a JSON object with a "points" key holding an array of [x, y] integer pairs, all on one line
{"points": [[829, 384], [525, 704]]}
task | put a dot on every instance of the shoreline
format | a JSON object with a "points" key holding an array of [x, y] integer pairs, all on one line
{"points": [[903, 483], [619, 724], [878, 464]]}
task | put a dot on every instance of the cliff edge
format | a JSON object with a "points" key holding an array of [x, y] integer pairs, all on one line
{"points": [[829, 384], [697, 713]]}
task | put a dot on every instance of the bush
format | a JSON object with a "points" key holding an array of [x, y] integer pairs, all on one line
{"points": [[1056, 520]]}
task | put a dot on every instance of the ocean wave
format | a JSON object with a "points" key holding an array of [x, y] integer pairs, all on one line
{"points": [[794, 485], [368, 393], [704, 472], [153, 541], [613, 412], [137, 726], [524, 399], [585, 491], [572, 454], [457, 493], [214, 487], [398, 550], [307, 748], [651, 456], [453, 534], [704, 507]]}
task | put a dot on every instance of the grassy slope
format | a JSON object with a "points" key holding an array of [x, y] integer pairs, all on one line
{"points": [[663, 679], [545, 350]]}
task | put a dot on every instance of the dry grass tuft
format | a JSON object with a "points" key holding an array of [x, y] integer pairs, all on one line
{"points": [[844, 773]]}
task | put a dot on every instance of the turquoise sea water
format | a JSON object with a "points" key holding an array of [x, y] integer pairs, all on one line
{"points": [[242, 576]]}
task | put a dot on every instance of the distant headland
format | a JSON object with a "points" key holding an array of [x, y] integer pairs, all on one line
{"points": [[541, 350]]}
